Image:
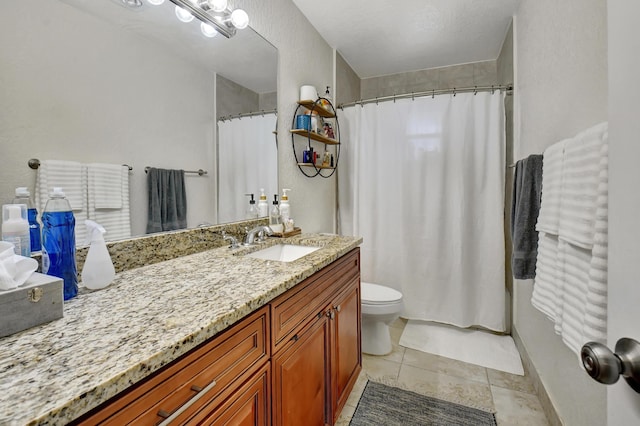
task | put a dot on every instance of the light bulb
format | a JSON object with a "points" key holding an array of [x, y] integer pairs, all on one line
{"points": [[183, 15], [217, 5], [239, 19], [156, 2], [208, 30]]}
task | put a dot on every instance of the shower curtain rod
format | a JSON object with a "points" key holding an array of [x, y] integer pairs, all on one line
{"points": [[248, 114], [473, 89]]}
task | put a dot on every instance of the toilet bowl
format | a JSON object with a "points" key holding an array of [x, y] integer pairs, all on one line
{"points": [[380, 306]]}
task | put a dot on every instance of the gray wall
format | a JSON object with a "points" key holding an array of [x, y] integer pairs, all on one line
{"points": [[347, 82], [504, 65], [561, 89], [232, 98], [465, 75]]}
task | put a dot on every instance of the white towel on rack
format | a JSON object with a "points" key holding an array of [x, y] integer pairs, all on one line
{"points": [[105, 185], [116, 221], [547, 287], [595, 321], [571, 270], [71, 176], [552, 165], [580, 172]]}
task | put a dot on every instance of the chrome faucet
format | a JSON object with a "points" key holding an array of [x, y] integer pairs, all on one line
{"points": [[260, 231], [233, 242]]}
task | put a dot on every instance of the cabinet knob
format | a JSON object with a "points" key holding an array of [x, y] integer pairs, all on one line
{"points": [[331, 314], [337, 308]]}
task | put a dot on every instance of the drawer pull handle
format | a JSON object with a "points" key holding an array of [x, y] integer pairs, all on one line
{"points": [[163, 414], [295, 338], [319, 315], [186, 405], [196, 388], [331, 314], [337, 308]]}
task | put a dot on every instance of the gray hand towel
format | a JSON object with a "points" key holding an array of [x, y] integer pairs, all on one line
{"points": [[527, 189], [167, 200]]}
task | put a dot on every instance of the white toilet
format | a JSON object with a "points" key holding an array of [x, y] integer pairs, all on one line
{"points": [[380, 307]]}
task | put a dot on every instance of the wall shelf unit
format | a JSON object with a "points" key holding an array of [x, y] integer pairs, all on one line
{"points": [[318, 140]]}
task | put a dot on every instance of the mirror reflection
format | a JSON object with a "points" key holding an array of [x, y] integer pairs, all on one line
{"points": [[97, 82]]}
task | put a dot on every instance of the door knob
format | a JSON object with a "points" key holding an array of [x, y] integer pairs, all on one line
{"points": [[606, 367]]}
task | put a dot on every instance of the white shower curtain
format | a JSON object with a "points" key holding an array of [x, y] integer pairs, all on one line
{"points": [[422, 181], [247, 161]]}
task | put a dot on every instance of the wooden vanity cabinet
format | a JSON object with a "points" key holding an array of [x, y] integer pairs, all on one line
{"points": [[196, 383], [291, 362], [316, 339]]}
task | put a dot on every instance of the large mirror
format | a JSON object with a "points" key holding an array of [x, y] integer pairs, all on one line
{"points": [[95, 81]]}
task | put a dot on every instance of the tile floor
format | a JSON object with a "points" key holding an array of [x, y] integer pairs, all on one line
{"points": [[511, 397]]}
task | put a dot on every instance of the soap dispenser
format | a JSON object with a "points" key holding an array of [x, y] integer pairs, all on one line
{"points": [[263, 206], [24, 197], [98, 270], [275, 221], [285, 209], [252, 210]]}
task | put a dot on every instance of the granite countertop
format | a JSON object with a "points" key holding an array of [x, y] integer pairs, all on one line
{"points": [[114, 337]]}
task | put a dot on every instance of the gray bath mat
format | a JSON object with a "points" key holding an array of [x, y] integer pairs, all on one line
{"points": [[385, 405]]}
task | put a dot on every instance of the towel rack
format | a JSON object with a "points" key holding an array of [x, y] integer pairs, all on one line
{"points": [[199, 172], [34, 163]]}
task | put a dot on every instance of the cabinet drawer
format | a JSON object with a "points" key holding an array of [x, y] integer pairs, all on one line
{"points": [[250, 405], [240, 350], [292, 310]]}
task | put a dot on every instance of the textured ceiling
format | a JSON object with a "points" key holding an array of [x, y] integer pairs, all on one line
{"points": [[381, 37]]}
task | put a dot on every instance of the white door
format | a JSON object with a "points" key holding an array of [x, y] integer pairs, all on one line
{"points": [[623, 404]]}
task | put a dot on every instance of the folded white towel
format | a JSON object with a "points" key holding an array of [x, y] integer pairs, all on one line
{"points": [[105, 185], [580, 173], [117, 222], [71, 176], [552, 164], [571, 271], [547, 284]]}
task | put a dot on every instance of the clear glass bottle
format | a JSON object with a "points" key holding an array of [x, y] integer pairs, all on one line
{"points": [[252, 209], [24, 197], [59, 242], [275, 221]]}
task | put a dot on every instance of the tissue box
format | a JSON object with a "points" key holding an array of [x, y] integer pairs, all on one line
{"points": [[36, 302]]}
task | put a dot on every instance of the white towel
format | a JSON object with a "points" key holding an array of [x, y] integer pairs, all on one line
{"points": [[552, 164], [571, 271], [117, 222], [580, 171], [547, 285], [71, 176], [105, 185]]}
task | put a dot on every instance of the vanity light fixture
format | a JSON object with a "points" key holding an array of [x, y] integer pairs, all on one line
{"points": [[208, 30], [183, 14], [214, 15]]}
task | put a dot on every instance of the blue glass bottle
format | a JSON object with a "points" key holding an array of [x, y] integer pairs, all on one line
{"points": [[59, 242], [23, 197]]}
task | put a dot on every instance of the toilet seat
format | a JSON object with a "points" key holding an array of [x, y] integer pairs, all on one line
{"points": [[374, 294]]}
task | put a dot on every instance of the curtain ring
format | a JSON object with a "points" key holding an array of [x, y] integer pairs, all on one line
{"points": [[376, 100], [394, 98], [361, 105], [454, 92], [433, 93], [475, 90], [412, 97], [492, 89]]}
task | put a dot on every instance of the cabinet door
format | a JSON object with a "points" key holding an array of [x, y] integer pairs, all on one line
{"points": [[300, 376], [346, 350]]}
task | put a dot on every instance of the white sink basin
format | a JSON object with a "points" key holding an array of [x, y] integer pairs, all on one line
{"points": [[283, 252]]}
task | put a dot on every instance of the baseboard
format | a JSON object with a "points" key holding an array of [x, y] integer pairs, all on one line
{"points": [[543, 396]]}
